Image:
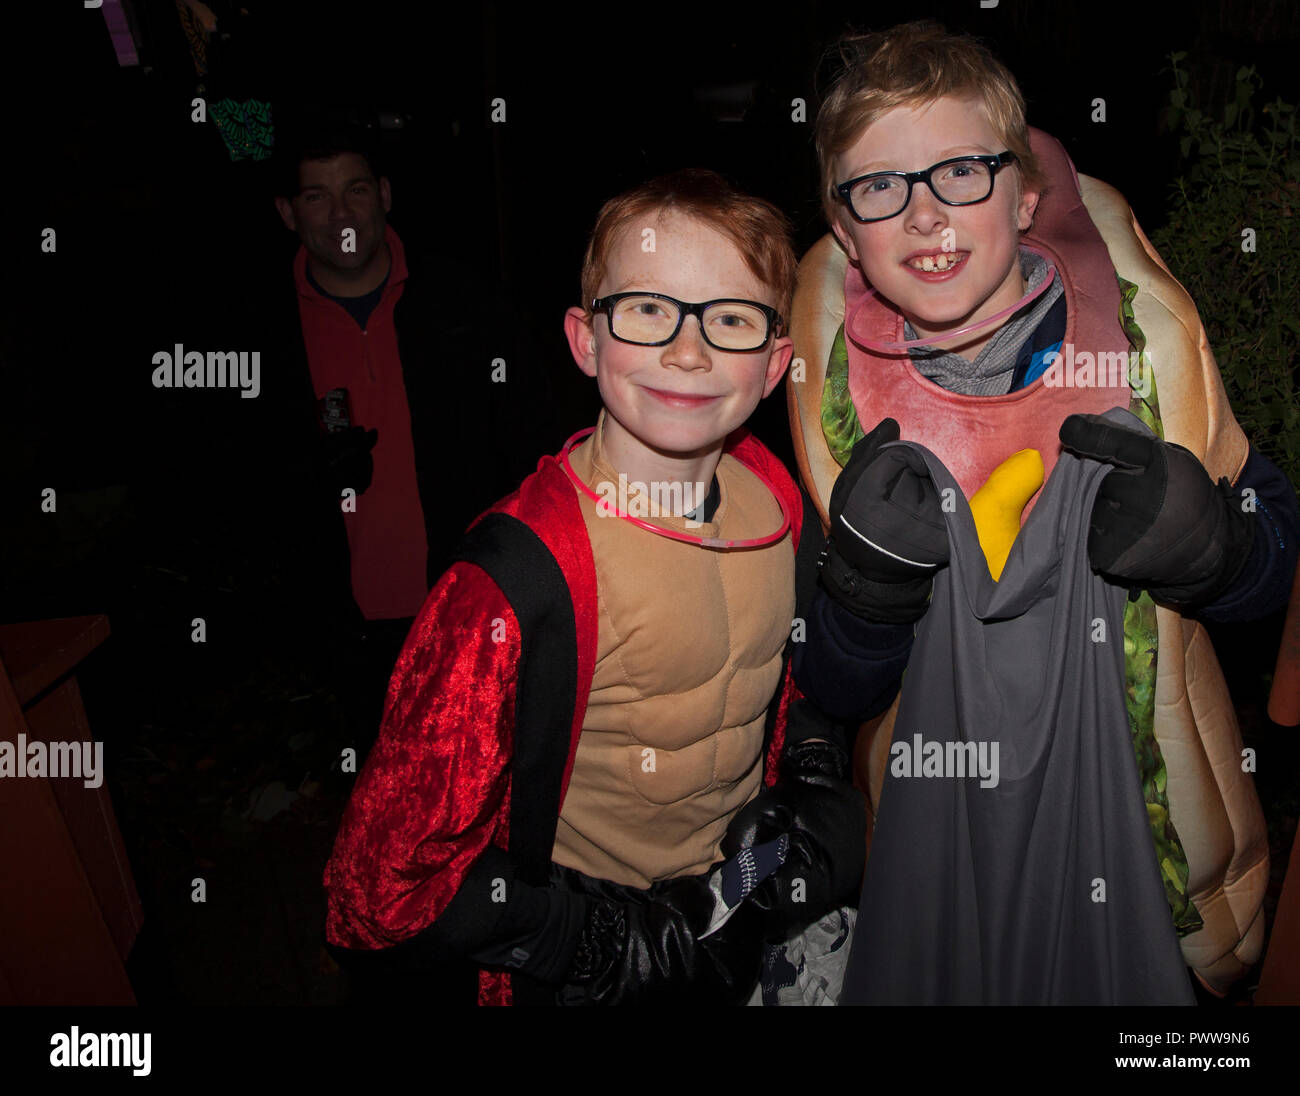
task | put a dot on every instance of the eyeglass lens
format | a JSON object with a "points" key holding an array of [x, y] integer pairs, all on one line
{"points": [[730, 325], [885, 195]]}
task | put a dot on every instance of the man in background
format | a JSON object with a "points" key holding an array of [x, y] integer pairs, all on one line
{"points": [[363, 323]]}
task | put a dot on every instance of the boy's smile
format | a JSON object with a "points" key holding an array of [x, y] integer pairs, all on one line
{"points": [[669, 408], [944, 267]]}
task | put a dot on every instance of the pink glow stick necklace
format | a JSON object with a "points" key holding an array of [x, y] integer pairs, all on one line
{"points": [[906, 344]]}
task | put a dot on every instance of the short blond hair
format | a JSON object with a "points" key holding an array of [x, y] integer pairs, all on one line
{"points": [[911, 65]]}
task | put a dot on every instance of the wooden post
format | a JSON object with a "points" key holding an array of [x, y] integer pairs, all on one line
{"points": [[69, 911], [1284, 697], [1279, 979]]}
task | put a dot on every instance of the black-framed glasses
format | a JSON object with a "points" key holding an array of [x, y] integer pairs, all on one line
{"points": [[653, 319], [963, 180]]}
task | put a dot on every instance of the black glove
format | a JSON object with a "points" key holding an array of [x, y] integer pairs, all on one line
{"points": [[596, 941], [346, 460], [825, 816], [1159, 522], [645, 947], [887, 535]]}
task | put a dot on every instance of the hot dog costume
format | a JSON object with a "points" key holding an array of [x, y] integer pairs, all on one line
{"points": [[1205, 821], [562, 651]]}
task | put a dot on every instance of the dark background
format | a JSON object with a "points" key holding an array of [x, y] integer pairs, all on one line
{"points": [[162, 238]]}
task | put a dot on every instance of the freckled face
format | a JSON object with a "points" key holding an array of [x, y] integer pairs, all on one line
{"points": [[684, 398]]}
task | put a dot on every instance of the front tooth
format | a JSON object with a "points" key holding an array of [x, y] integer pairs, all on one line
{"points": [[927, 263], [942, 262]]}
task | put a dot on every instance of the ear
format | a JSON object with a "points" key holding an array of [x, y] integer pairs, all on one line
{"points": [[582, 339], [1025, 210], [386, 193], [285, 208], [777, 363], [846, 240]]}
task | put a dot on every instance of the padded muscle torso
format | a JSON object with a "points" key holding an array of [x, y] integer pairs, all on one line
{"points": [[688, 658]]}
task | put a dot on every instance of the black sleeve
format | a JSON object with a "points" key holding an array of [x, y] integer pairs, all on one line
{"points": [[807, 720], [1264, 585], [495, 919], [269, 498], [849, 667]]}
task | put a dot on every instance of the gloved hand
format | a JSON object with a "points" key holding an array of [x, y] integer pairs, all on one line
{"points": [[596, 941], [825, 816], [645, 947], [1159, 522], [346, 460], [887, 535]]}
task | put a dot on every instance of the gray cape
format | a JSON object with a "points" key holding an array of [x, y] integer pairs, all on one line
{"points": [[1041, 886]]}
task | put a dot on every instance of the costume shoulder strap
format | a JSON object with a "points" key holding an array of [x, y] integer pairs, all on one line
{"points": [[529, 576]]}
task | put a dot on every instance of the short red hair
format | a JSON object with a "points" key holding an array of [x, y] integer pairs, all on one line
{"points": [[759, 230]]}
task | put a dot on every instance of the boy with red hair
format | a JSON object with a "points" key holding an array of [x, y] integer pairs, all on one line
{"points": [[586, 701]]}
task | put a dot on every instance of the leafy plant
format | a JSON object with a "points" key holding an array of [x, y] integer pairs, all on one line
{"points": [[1239, 172]]}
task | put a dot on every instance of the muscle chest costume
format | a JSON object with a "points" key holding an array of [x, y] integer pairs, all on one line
{"points": [[508, 720], [1181, 716], [688, 657]]}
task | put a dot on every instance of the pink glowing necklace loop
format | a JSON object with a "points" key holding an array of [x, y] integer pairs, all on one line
{"points": [[672, 534], [907, 344]]}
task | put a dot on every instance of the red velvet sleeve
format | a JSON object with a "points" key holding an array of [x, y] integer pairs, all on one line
{"points": [[789, 694], [434, 791]]}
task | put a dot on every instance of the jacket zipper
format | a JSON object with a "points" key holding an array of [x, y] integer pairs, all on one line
{"points": [[365, 348]]}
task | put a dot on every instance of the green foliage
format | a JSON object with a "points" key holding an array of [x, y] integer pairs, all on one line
{"points": [[1242, 171]]}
